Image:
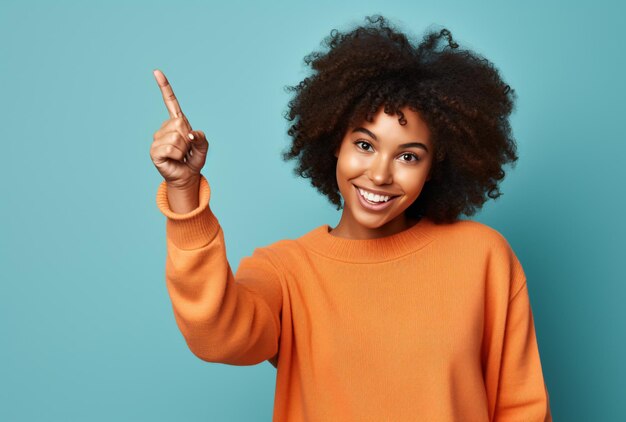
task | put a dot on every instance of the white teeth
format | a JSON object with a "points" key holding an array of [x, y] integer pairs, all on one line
{"points": [[373, 197]]}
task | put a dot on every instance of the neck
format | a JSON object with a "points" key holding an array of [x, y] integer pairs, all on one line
{"points": [[348, 228], [387, 248]]}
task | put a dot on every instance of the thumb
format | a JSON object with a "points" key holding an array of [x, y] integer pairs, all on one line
{"points": [[198, 140]]}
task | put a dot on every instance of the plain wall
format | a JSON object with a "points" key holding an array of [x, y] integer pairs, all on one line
{"points": [[86, 325]]}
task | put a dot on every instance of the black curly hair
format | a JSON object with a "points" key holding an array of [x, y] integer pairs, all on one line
{"points": [[458, 93]]}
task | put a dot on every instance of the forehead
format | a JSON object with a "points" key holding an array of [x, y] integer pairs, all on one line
{"points": [[388, 128]]}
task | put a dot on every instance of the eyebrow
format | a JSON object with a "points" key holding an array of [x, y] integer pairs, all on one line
{"points": [[407, 145]]}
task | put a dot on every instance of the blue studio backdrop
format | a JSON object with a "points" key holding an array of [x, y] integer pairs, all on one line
{"points": [[86, 325]]}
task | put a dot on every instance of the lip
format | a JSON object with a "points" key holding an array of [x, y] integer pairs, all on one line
{"points": [[375, 191], [372, 207]]}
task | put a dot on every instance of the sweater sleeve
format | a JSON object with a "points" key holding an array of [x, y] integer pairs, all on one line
{"points": [[512, 369], [521, 394], [224, 318]]}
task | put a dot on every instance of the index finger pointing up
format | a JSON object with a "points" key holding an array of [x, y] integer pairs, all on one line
{"points": [[168, 94]]}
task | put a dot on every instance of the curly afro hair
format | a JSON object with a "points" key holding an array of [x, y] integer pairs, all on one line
{"points": [[458, 93]]}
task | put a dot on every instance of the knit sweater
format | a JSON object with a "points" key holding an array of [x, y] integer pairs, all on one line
{"points": [[430, 324]]}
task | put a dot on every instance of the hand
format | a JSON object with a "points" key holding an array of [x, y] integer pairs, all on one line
{"points": [[178, 158]]}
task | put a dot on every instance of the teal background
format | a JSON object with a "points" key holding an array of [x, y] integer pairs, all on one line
{"points": [[86, 327]]}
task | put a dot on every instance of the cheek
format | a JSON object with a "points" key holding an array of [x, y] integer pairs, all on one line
{"points": [[412, 182], [349, 166]]}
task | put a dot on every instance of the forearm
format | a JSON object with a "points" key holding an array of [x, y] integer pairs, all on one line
{"points": [[220, 319]]}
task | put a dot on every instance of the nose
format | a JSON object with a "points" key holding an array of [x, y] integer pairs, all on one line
{"points": [[380, 172]]}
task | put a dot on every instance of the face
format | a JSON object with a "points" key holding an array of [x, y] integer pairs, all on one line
{"points": [[386, 159]]}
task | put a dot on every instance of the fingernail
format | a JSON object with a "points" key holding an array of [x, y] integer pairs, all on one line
{"points": [[191, 136]]}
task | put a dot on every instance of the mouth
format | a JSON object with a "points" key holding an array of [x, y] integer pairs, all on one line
{"points": [[373, 205]]}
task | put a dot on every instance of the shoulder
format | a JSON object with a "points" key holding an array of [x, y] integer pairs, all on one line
{"points": [[494, 245], [475, 238], [472, 231], [284, 252]]}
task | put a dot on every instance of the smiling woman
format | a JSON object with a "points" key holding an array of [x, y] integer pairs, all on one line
{"points": [[402, 311], [453, 94]]}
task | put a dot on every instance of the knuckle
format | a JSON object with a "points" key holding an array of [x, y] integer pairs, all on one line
{"points": [[174, 136]]}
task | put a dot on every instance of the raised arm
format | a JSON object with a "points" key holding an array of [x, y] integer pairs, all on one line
{"points": [[225, 318]]}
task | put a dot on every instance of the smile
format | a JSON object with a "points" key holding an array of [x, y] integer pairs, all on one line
{"points": [[372, 201], [372, 197]]}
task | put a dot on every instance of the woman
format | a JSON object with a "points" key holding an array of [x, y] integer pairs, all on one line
{"points": [[402, 311]]}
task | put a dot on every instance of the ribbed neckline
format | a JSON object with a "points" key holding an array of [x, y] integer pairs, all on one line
{"points": [[386, 248]]}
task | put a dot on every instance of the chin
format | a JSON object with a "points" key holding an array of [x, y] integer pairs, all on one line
{"points": [[372, 221], [372, 224]]}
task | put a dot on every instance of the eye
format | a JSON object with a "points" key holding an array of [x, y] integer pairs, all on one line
{"points": [[408, 154], [362, 142]]}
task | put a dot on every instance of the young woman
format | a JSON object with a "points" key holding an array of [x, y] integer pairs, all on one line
{"points": [[403, 311]]}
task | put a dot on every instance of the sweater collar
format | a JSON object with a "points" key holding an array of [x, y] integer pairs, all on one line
{"points": [[385, 248]]}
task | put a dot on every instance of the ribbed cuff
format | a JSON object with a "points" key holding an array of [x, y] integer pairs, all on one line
{"points": [[194, 229]]}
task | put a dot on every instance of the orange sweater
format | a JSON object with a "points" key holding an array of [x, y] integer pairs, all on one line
{"points": [[430, 324]]}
